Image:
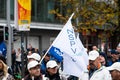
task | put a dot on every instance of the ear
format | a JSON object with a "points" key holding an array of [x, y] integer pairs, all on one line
{"points": [[29, 71]]}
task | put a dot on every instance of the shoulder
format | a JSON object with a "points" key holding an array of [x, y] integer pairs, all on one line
{"points": [[27, 77], [9, 77], [45, 77]]}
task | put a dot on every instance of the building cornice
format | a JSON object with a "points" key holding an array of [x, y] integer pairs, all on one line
{"points": [[37, 25]]}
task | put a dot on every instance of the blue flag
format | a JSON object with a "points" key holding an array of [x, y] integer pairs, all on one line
{"points": [[56, 53], [3, 49]]}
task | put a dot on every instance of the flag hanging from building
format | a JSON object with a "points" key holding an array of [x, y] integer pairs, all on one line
{"points": [[22, 14], [66, 45]]}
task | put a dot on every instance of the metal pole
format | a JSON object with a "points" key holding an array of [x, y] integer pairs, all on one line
{"points": [[22, 53], [9, 31]]}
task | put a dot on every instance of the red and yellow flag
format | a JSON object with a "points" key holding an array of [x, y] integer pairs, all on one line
{"points": [[24, 15]]}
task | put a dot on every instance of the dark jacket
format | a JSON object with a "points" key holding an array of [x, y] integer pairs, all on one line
{"points": [[53, 77], [28, 77]]}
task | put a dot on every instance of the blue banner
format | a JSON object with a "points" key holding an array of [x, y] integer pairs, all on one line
{"points": [[3, 49], [56, 53]]}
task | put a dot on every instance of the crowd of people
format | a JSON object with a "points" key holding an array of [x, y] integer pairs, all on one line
{"points": [[101, 66]]}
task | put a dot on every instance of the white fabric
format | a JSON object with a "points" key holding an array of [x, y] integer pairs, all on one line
{"points": [[83, 50], [101, 74], [18, 57], [73, 57], [84, 76], [5, 78]]}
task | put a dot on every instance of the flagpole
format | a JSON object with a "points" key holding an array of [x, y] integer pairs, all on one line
{"points": [[45, 54], [52, 43]]}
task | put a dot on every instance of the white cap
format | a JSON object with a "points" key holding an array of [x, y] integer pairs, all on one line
{"points": [[32, 64], [114, 66], [35, 56], [51, 64], [93, 55]]}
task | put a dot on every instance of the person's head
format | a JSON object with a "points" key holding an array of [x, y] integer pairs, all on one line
{"points": [[103, 58], [3, 58], [114, 55], [19, 50], [115, 71], [34, 56], [95, 48], [94, 60], [3, 67], [47, 57], [13, 51], [29, 53], [36, 50], [52, 67], [34, 68]]}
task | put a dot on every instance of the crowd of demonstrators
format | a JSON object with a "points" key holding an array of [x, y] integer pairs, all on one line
{"points": [[50, 67]]}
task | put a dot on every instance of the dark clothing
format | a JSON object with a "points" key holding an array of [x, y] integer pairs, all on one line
{"points": [[13, 62], [91, 72], [110, 62], [32, 50], [53, 77], [28, 77]]}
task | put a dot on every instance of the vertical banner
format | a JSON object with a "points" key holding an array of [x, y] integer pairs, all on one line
{"points": [[22, 14]]}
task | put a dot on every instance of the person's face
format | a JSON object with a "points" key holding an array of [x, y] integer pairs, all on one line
{"points": [[115, 75], [47, 58], [1, 66], [94, 63], [35, 71], [29, 53], [115, 57], [52, 71], [102, 60]]}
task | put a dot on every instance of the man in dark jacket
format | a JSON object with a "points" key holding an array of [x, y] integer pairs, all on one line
{"points": [[34, 71]]}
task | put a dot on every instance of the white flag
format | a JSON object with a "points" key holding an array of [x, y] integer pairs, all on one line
{"points": [[66, 45], [82, 48]]}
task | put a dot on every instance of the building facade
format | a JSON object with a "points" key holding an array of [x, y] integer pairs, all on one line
{"points": [[44, 26]]}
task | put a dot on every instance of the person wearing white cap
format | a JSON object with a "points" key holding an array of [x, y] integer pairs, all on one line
{"points": [[96, 70], [34, 71], [52, 71], [34, 56], [115, 70]]}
